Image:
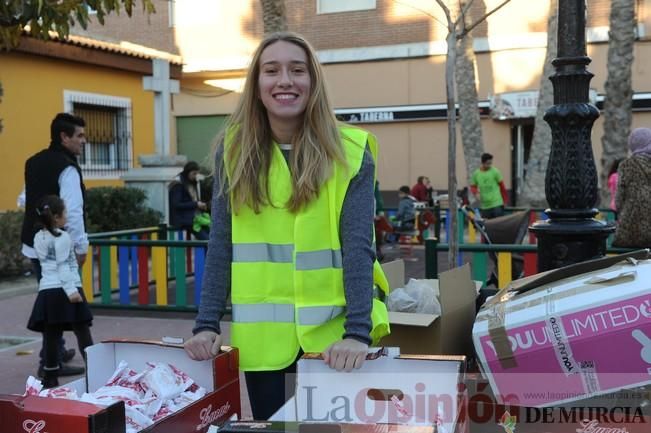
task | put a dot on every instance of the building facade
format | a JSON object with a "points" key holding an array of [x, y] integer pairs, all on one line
{"points": [[385, 65], [100, 81]]}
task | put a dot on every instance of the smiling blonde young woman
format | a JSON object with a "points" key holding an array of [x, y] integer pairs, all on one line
{"points": [[292, 233]]}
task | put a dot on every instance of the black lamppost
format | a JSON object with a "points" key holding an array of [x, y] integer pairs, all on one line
{"points": [[571, 234]]}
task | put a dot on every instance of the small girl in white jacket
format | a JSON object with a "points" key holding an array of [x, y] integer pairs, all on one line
{"points": [[60, 305]]}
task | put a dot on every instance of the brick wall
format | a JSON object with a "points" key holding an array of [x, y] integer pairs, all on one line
{"points": [[151, 31], [357, 28], [352, 29], [379, 27]]}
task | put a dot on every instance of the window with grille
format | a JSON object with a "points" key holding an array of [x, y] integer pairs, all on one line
{"points": [[108, 149]]}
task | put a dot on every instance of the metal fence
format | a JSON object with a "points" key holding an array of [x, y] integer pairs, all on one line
{"points": [[161, 268]]}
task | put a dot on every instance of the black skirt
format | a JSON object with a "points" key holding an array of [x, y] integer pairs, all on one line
{"points": [[52, 307]]}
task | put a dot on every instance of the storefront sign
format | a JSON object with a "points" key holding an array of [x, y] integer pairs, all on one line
{"points": [[404, 113], [514, 105], [518, 105]]}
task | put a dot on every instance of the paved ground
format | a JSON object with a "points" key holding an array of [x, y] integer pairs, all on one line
{"points": [[17, 296]]}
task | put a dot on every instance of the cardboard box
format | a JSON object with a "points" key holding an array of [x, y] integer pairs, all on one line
{"points": [[31, 414], [429, 334], [220, 377], [569, 334], [388, 389]]}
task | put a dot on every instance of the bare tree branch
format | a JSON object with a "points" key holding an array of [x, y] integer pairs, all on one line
{"points": [[446, 10], [421, 11], [480, 20]]}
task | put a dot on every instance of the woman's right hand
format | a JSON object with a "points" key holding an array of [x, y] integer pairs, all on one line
{"points": [[75, 298], [204, 345]]}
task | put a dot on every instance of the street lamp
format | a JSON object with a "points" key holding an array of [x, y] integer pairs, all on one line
{"points": [[571, 234]]}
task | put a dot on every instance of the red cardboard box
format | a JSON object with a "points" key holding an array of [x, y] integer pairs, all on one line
{"points": [[220, 377]]}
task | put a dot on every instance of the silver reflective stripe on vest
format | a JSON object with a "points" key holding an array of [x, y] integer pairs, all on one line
{"points": [[263, 253], [308, 316], [284, 313], [252, 313], [322, 259]]}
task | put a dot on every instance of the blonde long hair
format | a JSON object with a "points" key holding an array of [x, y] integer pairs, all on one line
{"points": [[316, 145]]}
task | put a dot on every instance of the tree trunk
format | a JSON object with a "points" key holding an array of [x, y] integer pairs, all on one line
{"points": [[619, 89], [273, 16], [469, 121], [1, 93], [450, 63], [533, 190]]}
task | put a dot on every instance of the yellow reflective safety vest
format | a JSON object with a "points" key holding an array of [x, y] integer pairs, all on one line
{"points": [[287, 283]]}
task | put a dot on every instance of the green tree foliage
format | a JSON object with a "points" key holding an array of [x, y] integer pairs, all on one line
{"points": [[118, 208], [40, 17]]}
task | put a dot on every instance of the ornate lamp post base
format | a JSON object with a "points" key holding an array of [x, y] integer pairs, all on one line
{"points": [[564, 242]]}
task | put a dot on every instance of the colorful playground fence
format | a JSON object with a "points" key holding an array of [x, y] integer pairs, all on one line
{"points": [[160, 268], [153, 268]]}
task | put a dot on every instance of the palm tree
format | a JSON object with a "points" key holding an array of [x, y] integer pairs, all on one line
{"points": [[619, 88], [469, 121], [533, 190], [273, 16]]}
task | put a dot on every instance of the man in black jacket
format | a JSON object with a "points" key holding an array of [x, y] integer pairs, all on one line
{"points": [[55, 170]]}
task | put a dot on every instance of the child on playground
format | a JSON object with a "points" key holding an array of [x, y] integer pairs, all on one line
{"points": [[60, 304], [406, 216]]}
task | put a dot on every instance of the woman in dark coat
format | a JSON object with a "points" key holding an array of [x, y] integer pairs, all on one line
{"points": [[185, 201]]}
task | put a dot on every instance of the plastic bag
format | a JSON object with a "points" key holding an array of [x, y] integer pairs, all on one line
{"points": [[165, 380], [33, 387], [60, 392], [416, 297]]}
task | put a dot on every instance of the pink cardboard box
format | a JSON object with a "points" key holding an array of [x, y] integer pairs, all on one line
{"points": [[569, 334]]}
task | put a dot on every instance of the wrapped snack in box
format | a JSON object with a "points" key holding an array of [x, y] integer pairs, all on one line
{"points": [[219, 402]]}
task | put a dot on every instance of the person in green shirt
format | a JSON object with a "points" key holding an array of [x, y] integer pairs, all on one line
{"points": [[487, 185]]}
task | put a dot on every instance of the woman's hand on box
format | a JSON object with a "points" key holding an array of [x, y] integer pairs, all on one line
{"points": [[204, 345], [344, 355]]}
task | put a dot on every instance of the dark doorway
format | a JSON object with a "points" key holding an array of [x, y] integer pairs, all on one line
{"points": [[521, 138]]}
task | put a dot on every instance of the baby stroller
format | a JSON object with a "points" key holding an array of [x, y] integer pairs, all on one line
{"points": [[507, 229]]}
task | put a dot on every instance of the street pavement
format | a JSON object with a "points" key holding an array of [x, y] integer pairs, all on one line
{"points": [[18, 362]]}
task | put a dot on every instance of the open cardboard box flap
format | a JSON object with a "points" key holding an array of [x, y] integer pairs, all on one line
{"points": [[411, 319], [429, 334]]}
